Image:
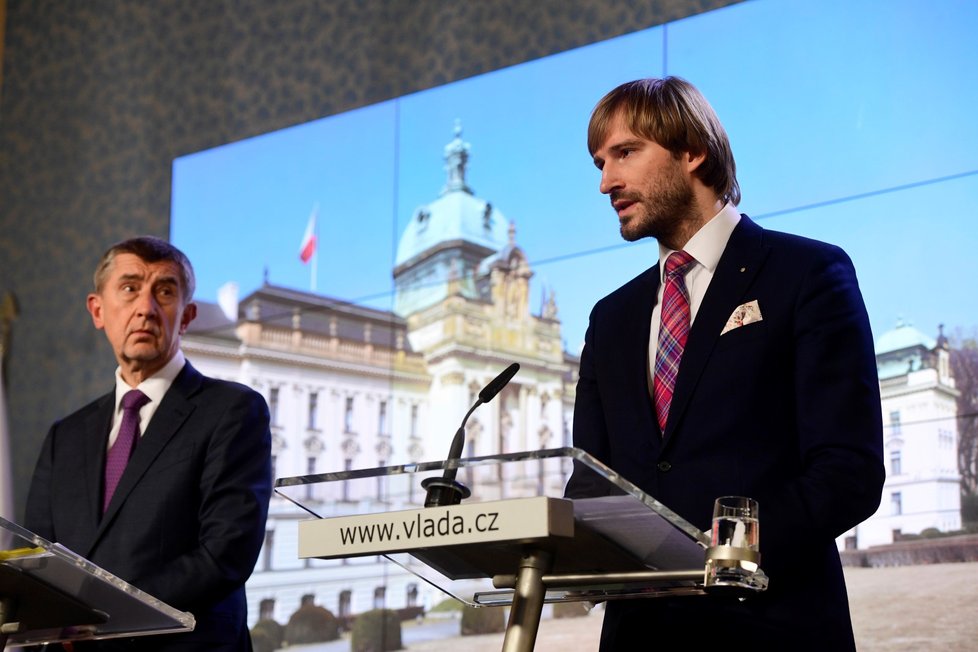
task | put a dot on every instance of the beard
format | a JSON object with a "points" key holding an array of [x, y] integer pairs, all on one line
{"points": [[668, 206]]}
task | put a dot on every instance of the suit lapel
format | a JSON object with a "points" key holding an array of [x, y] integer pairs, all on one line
{"points": [[95, 439], [163, 427], [635, 337], [740, 262]]}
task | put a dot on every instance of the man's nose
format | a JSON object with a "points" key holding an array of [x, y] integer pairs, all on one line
{"points": [[146, 304], [609, 179]]}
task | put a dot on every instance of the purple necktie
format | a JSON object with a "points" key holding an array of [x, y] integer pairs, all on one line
{"points": [[125, 443], [672, 332]]}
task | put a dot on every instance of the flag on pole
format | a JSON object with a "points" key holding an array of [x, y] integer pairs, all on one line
{"points": [[308, 246]]}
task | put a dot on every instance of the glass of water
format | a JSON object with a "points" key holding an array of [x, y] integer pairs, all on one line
{"points": [[732, 561], [735, 523]]}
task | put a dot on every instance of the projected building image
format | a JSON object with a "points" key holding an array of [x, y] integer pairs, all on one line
{"points": [[461, 229]]}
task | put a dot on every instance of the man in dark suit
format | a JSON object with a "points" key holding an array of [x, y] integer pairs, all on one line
{"points": [[181, 515], [773, 394]]}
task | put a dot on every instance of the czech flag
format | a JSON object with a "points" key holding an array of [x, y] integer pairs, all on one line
{"points": [[308, 246]]}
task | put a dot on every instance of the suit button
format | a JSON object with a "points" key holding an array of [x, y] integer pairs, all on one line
{"points": [[664, 466]]}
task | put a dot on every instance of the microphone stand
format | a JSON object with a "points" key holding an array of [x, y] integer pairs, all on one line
{"points": [[446, 490]]}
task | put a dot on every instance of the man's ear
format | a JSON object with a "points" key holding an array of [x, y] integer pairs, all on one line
{"points": [[94, 305], [693, 160], [189, 314]]}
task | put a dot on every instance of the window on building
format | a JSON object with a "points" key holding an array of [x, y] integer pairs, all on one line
{"points": [[380, 597], [310, 470], [414, 421], [850, 543], [896, 503], [343, 607], [266, 551], [945, 438], [381, 482], [273, 405], [347, 466], [313, 409], [895, 423], [895, 466], [348, 415], [266, 609], [382, 418]]}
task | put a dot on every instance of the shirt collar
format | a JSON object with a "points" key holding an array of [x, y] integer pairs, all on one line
{"points": [[154, 387], [707, 244]]}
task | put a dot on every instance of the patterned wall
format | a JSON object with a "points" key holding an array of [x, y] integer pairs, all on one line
{"points": [[99, 96]]}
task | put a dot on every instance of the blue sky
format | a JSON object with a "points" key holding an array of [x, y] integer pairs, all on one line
{"points": [[850, 123]]}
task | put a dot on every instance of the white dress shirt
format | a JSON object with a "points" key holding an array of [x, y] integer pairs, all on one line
{"points": [[154, 387], [706, 246]]}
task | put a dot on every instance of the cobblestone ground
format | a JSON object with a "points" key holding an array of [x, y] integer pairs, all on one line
{"points": [[901, 609]]}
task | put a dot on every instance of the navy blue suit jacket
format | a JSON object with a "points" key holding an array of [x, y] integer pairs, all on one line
{"points": [[785, 410], [187, 519]]}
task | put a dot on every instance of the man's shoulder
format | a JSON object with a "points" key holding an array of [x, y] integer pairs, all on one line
{"points": [[218, 387], [639, 286], [794, 243], [783, 253], [89, 410], [192, 386]]}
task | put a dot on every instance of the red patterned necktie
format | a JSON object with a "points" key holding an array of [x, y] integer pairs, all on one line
{"points": [[672, 332], [125, 443]]}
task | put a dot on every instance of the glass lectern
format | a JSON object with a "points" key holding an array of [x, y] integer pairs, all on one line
{"points": [[49, 594], [515, 540]]}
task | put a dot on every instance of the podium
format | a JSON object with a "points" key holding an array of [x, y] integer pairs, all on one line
{"points": [[49, 594], [517, 540]]}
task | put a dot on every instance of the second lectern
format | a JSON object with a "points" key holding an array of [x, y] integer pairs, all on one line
{"points": [[49, 594]]}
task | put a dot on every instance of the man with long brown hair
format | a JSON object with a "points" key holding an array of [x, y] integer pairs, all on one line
{"points": [[740, 363]]}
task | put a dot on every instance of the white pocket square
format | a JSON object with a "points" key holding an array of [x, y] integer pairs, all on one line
{"points": [[744, 314]]}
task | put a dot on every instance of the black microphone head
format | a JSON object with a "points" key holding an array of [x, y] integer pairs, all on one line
{"points": [[497, 383]]}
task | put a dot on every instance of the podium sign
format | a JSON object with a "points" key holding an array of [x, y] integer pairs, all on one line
{"points": [[473, 550], [520, 519], [50, 594]]}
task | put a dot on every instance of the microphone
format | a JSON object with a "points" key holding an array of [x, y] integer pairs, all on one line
{"points": [[446, 490]]}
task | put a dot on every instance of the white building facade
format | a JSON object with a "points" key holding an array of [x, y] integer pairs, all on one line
{"points": [[920, 440], [350, 387]]}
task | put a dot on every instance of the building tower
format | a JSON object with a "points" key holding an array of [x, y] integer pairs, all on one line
{"points": [[920, 439]]}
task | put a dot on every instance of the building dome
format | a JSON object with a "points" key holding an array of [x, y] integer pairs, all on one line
{"points": [[443, 244], [904, 336], [903, 350], [454, 218]]}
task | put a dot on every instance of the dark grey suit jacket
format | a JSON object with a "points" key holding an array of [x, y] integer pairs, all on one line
{"points": [[187, 519], [785, 410]]}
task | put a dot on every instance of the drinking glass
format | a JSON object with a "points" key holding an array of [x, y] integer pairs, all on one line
{"points": [[735, 523]]}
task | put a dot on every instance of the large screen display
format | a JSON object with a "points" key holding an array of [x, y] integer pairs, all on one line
{"points": [[849, 122]]}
